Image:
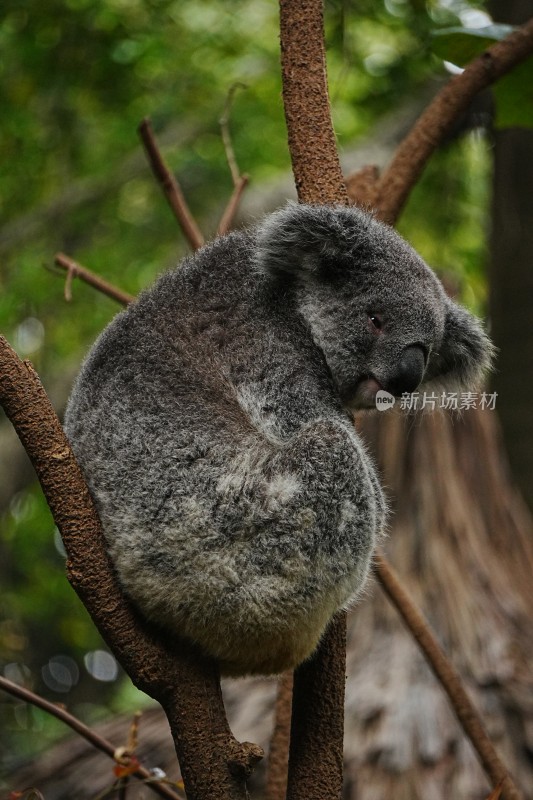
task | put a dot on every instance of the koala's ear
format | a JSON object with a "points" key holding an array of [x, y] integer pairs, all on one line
{"points": [[466, 353], [302, 239]]}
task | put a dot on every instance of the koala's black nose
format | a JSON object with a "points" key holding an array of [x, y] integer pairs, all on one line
{"points": [[410, 371]]}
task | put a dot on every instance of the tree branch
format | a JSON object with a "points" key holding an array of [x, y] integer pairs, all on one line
{"points": [[413, 153], [278, 755], [76, 270], [317, 731], [225, 132], [175, 673], [170, 186], [91, 736], [228, 216], [447, 676], [313, 150], [318, 179], [391, 193]]}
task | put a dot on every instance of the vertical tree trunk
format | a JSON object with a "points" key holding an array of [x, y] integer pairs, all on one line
{"points": [[511, 278]]}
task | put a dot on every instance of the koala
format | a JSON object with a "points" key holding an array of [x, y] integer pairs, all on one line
{"points": [[213, 423]]}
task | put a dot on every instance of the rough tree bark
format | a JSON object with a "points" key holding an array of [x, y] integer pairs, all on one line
{"points": [[317, 729], [186, 684]]}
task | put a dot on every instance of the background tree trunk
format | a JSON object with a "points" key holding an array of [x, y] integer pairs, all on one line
{"points": [[511, 278]]}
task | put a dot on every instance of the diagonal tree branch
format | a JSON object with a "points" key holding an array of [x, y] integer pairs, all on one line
{"points": [[75, 270], [448, 677], [91, 736], [175, 673], [413, 153], [318, 180], [170, 186]]}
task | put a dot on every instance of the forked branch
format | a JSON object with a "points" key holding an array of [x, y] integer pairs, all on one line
{"points": [[186, 683], [75, 270]]}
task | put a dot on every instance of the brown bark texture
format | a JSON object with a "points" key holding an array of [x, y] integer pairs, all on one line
{"points": [[158, 674], [315, 163], [317, 730], [278, 755], [318, 720], [388, 195], [186, 684]]}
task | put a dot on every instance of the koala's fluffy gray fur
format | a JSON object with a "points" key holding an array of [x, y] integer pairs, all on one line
{"points": [[211, 420]]}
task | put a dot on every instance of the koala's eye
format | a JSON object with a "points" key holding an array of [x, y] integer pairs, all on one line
{"points": [[376, 321]]}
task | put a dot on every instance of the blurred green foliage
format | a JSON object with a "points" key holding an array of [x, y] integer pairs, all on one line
{"points": [[76, 78]]}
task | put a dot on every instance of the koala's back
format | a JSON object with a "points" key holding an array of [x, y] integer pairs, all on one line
{"points": [[238, 512]]}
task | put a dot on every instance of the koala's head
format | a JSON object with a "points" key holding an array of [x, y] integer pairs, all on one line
{"points": [[376, 310]]}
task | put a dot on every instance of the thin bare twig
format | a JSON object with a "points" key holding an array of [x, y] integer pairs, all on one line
{"points": [[91, 736], [433, 125], [228, 216], [123, 789], [170, 186], [448, 677], [76, 270], [226, 136]]}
